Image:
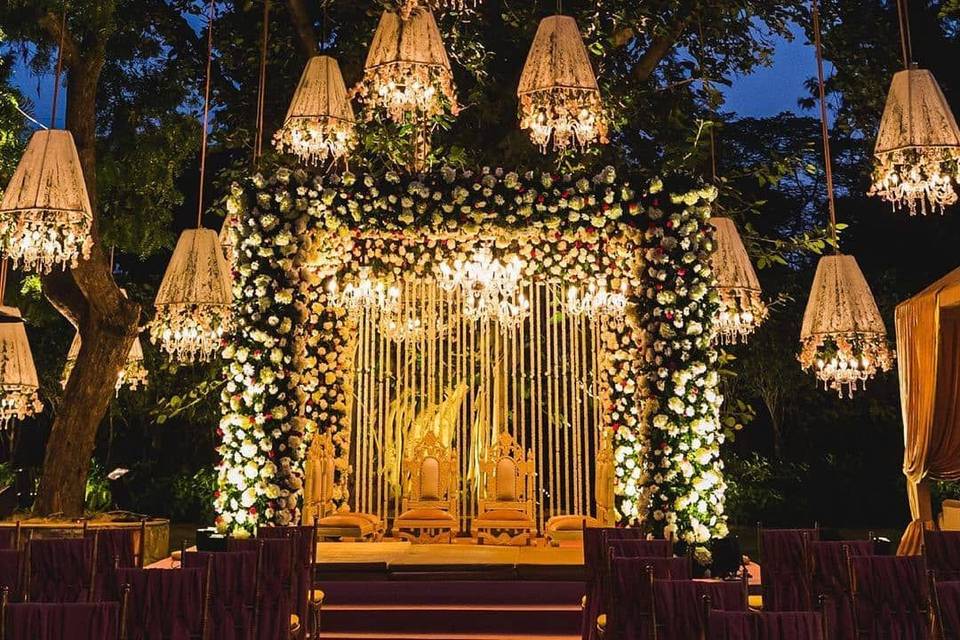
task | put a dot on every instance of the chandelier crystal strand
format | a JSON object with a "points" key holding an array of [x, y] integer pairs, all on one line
{"points": [[491, 287], [843, 338], [559, 95], [596, 303]]}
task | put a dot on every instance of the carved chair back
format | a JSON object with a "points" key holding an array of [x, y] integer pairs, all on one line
{"points": [[431, 473], [508, 477], [318, 481]]}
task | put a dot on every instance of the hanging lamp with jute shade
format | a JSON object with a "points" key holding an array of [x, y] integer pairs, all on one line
{"points": [[917, 154], [559, 95], [407, 7], [18, 375], [407, 72], [320, 124], [45, 214], [742, 308], [133, 374], [843, 340]]}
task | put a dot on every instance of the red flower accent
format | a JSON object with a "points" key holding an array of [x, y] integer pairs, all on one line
{"points": [[252, 511]]}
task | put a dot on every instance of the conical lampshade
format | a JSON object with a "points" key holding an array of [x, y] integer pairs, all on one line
{"points": [[742, 309], [918, 146], [45, 215], [18, 375], [227, 237], [407, 72], [409, 6], [559, 95], [194, 300], [134, 374], [843, 339], [319, 123]]}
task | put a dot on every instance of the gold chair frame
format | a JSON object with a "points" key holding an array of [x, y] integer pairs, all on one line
{"points": [[560, 527], [421, 527], [518, 530]]}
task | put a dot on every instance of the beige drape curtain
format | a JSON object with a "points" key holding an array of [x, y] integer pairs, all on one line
{"points": [[928, 345]]}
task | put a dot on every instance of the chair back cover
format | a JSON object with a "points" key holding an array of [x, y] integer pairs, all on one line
{"points": [[60, 569], [948, 608], [115, 549], [11, 567], [62, 621], [785, 625], [275, 600], [9, 537], [163, 604], [678, 609], [305, 546], [786, 585], [630, 595], [233, 589], [891, 597], [595, 549], [830, 577], [942, 550]]}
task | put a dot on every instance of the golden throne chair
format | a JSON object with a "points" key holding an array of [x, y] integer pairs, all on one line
{"points": [[570, 526], [505, 511], [429, 509], [318, 504]]}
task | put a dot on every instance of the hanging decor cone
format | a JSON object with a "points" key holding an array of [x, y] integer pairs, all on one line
{"points": [[559, 95], [320, 124], [742, 309], [45, 215], [843, 339], [133, 375], [407, 72], [409, 6], [918, 146], [18, 375], [194, 300]]}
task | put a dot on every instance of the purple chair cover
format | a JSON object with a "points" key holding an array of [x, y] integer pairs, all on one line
{"points": [[942, 550], [60, 569], [163, 604], [233, 587], [789, 625], [678, 608], [830, 577], [948, 609], [62, 621], [276, 601], [891, 597], [595, 549], [786, 586], [304, 541], [8, 538], [10, 576], [115, 548], [630, 594]]}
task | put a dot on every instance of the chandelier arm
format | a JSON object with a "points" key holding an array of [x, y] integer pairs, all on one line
{"points": [[825, 126], [206, 112], [262, 85]]}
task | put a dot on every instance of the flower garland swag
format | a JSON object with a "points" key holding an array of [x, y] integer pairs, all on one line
{"points": [[303, 238], [685, 483]]}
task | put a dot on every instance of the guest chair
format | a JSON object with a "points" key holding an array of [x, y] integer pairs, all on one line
{"points": [[891, 597], [277, 578], [829, 578], [11, 573], [62, 620], [942, 551], [61, 569], [308, 600], [766, 625], [429, 510], [783, 556], [234, 591], [165, 604], [678, 605], [570, 526], [505, 513], [11, 537], [629, 603], [946, 607], [318, 504]]}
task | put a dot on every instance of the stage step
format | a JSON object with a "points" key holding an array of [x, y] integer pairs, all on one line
{"points": [[469, 609]]}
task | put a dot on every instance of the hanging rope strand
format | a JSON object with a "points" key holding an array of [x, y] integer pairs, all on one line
{"points": [[3, 280], [825, 126], [262, 85], [59, 71], [206, 113], [906, 39], [706, 85]]}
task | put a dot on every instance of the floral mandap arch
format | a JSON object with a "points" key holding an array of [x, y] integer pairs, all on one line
{"points": [[305, 246]]}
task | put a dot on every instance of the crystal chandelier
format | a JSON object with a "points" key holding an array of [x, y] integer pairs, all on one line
{"points": [[18, 375], [597, 303], [133, 375], [490, 287], [367, 294], [742, 309], [558, 92]]}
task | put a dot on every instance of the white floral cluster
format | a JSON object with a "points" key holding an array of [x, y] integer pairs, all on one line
{"points": [[684, 473]]}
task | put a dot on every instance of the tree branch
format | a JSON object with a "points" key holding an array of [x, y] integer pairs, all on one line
{"points": [[303, 25], [659, 48], [51, 24]]}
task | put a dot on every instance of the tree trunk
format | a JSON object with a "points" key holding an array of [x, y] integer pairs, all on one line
{"points": [[88, 296], [303, 26]]}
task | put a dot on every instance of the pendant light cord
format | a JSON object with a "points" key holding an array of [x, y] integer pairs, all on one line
{"points": [[906, 39], [59, 70], [825, 126], [4, 268], [262, 86], [206, 113], [706, 83]]}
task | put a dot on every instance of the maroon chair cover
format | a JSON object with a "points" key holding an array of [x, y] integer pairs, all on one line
{"points": [[830, 577], [942, 551], [62, 621], [891, 597], [786, 585], [630, 610], [233, 590], [784, 625], [277, 576], [948, 609], [8, 538], [60, 569], [10, 572], [115, 549], [163, 604], [678, 605], [595, 549], [305, 546]]}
